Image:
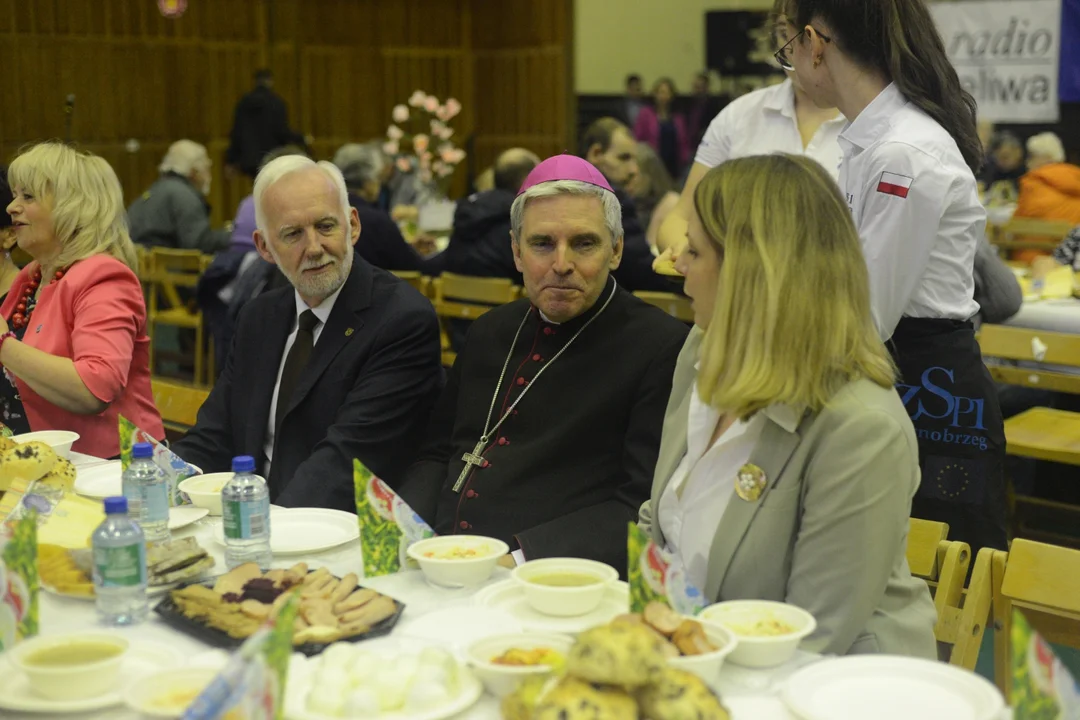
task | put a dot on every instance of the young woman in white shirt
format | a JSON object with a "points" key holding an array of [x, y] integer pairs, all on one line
{"points": [[779, 118], [910, 152]]}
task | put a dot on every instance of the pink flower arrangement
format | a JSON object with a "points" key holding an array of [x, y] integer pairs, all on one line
{"points": [[420, 138]]}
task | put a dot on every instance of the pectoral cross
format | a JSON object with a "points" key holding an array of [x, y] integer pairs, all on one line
{"points": [[473, 459]]}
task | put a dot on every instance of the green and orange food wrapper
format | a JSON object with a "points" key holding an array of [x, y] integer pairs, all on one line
{"points": [[174, 467], [656, 575], [1042, 687], [252, 684], [388, 526], [18, 580]]}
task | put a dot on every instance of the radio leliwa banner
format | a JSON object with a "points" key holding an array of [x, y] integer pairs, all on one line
{"points": [[174, 467], [252, 684], [388, 526], [656, 575]]}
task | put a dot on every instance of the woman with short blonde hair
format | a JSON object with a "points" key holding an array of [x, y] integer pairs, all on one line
{"points": [[73, 340], [788, 464]]}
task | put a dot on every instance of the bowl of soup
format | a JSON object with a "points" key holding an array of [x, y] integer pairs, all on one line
{"points": [[564, 587], [205, 490], [71, 667], [768, 632], [458, 560]]}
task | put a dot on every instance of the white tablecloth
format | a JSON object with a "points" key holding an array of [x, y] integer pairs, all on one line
{"points": [[449, 617], [1053, 315]]}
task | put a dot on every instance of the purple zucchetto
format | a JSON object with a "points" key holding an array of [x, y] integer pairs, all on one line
{"points": [[565, 167]]}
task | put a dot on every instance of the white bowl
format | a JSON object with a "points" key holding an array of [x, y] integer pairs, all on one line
{"points": [[205, 490], [707, 665], [501, 680], [59, 440], [168, 693], [564, 601], [761, 651], [73, 681], [457, 572]]}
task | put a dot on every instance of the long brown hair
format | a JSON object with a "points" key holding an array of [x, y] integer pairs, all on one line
{"points": [[899, 38]]}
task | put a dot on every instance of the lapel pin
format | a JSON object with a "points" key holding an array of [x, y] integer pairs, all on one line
{"points": [[38, 329], [750, 482], [348, 332]]}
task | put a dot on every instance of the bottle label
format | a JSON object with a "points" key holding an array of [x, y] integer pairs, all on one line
{"points": [[244, 520], [120, 566]]}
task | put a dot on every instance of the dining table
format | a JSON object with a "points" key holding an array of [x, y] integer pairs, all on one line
{"points": [[446, 617]]}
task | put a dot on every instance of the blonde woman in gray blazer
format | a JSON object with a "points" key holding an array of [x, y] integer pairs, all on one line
{"points": [[788, 462]]}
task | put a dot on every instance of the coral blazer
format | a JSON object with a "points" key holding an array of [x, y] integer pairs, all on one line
{"points": [[95, 316]]}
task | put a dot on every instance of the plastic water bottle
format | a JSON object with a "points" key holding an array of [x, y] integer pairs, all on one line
{"points": [[245, 506], [147, 491], [119, 551]]}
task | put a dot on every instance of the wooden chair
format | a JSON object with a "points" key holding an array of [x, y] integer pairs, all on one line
{"points": [[178, 403], [677, 306], [962, 614], [1031, 234], [169, 271], [416, 279], [1015, 344], [463, 297], [1043, 581]]}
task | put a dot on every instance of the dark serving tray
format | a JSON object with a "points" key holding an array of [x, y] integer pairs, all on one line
{"points": [[173, 617]]}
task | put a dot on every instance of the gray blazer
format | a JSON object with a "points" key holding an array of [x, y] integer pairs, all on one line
{"points": [[829, 533]]}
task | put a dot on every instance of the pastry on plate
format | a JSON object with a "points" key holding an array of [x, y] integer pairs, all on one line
{"points": [[625, 654], [574, 699], [679, 695]]}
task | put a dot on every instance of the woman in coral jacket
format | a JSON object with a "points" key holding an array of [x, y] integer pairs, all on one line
{"points": [[73, 341], [1051, 188]]}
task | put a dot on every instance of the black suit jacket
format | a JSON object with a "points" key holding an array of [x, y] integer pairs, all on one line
{"points": [[260, 124], [366, 393]]}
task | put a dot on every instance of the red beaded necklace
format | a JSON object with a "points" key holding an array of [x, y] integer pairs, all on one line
{"points": [[20, 319]]}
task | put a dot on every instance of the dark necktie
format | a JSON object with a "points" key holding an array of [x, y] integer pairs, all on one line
{"points": [[298, 357]]}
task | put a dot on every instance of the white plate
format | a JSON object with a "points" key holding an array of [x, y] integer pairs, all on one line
{"points": [[184, 515], [296, 531], [509, 597], [142, 658], [890, 688], [99, 481], [145, 696], [301, 669]]}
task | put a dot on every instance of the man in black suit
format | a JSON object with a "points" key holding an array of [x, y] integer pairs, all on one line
{"points": [[344, 364], [260, 124]]}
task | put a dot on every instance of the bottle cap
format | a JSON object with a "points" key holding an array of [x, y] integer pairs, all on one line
{"points": [[116, 505], [142, 450], [243, 464]]}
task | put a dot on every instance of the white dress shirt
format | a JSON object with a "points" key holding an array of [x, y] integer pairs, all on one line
{"points": [[762, 123], [322, 313], [916, 207], [702, 486]]}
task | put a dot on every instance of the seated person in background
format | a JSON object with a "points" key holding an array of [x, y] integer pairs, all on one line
{"points": [[788, 461], [86, 359], [1004, 165], [480, 243], [559, 470], [1051, 188], [8, 268], [610, 147], [382, 243], [216, 292], [173, 213], [1067, 253], [343, 364], [653, 193]]}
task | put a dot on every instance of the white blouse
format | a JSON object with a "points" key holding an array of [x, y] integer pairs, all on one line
{"points": [[702, 486]]}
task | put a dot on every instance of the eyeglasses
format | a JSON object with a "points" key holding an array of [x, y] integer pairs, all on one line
{"points": [[781, 54]]}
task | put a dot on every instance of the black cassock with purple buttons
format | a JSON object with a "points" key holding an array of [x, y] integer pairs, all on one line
{"points": [[570, 467]]}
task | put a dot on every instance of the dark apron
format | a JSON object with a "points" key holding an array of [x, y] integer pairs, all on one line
{"points": [[953, 404]]}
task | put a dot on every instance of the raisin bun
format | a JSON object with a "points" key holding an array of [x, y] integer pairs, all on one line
{"points": [[625, 654], [679, 695], [27, 461], [574, 699]]}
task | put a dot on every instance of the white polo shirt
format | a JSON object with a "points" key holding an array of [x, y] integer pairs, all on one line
{"points": [[916, 206], [762, 123]]}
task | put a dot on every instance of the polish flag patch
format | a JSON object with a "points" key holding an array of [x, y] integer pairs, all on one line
{"points": [[893, 184]]}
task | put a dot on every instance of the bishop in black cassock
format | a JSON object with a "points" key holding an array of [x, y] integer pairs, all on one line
{"points": [[571, 464]]}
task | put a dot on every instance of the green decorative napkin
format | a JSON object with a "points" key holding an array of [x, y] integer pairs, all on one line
{"points": [[388, 526], [656, 575], [1042, 688], [18, 580]]}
